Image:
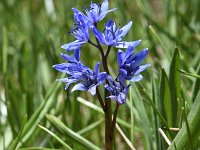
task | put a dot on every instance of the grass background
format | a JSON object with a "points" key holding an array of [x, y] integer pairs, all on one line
{"points": [[31, 33]]}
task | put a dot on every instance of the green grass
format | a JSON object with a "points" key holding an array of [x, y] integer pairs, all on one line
{"points": [[40, 114]]}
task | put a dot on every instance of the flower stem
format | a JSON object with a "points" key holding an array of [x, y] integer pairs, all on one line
{"points": [[114, 120], [108, 108], [100, 99], [108, 123]]}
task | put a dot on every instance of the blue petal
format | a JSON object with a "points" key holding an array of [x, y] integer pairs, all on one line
{"points": [[109, 23], [96, 68], [100, 36], [105, 13], [61, 67], [121, 98], [92, 89], [120, 56], [104, 6], [126, 44], [73, 45], [79, 87], [128, 53], [123, 72], [68, 58], [68, 81], [79, 75], [108, 88], [142, 68], [101, 77], [77, 54], [139, 57], [136, 78], [125, 30], [126, 89], [77, 12], [110, 80], [113, 97]]}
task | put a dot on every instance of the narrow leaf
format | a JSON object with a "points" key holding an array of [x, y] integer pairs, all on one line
{"points": [[175, 85], [165, 97], [56, 137], [182, 140], [76, 137]]}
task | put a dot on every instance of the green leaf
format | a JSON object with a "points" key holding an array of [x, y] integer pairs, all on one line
{"points": [[165, 98], [38, 115], [66, 131], [37, 148], [4, 50], [182, 141], [91, 127], [196, 84], [175, 85], [15, 143], [56, 137], [190, 74]]}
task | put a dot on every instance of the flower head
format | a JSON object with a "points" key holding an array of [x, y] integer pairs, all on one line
{"points": [[87, 79], [80, 32], [130, 65], [113, 36], [118, 90], [98, 11]]}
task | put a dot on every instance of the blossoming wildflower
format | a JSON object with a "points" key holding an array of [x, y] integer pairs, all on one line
{"points": [[113, 36], [81, 33], [130, 65], [98, 11], [118, 90], [87, 79]]}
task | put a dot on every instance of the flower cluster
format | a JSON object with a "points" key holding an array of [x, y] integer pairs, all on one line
{"points": [[129, 64]]}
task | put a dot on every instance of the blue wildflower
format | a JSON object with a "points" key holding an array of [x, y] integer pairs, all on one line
{"points": [[118, 90], [96, 12], [130, 65], [87, 79], [113, 36], [81, 33]]}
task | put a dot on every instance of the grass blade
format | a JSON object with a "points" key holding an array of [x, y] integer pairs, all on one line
{"points": [[182, 140], [165, 97], [18, 139], [66, 131], [56, 137], [91, 127], [175, 85], [32, 123]]}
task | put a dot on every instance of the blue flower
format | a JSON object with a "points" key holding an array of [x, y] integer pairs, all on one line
{"points": [[113, 36], [81, 33], [87, 79], [118, 90], [130, 65], [98, 11]]}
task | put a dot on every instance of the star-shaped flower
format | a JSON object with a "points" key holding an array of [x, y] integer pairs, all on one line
{"points": [[130, 65], [113, 36], [81, 33], [118, 90], [87, 79]]}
